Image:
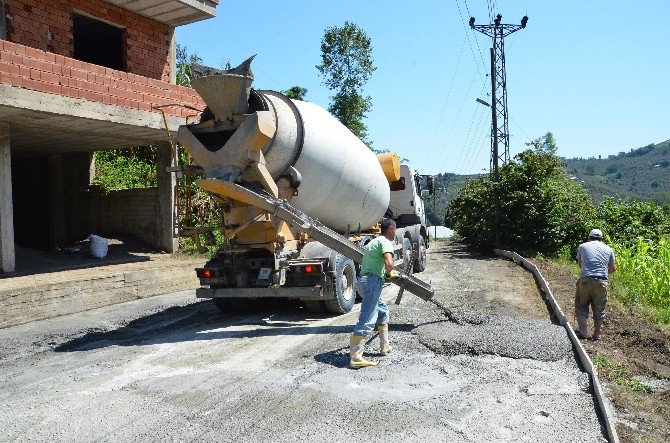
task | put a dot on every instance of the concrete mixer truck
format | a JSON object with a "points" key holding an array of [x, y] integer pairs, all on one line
{"points": [[301, 195]]}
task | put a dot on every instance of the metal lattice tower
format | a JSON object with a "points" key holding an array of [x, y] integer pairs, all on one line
{"points": [[499, 117]]}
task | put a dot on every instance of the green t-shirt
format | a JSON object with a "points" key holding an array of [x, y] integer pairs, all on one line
{"points": [[373, 259]]}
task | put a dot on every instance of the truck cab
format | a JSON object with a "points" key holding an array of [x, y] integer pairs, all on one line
{"points": [[407, 209]]}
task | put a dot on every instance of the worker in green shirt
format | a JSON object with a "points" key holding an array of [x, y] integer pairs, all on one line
{"points": [[376, 266]]}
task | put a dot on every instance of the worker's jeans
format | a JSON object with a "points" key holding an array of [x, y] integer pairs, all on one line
{"points": [[373, 309], [592, 293]]}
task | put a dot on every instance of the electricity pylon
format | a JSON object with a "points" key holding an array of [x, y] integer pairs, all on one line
{"points": [[499, 124]]}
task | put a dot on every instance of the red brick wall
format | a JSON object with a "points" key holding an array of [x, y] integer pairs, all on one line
{"points": [[147, 41], [29, 68]]}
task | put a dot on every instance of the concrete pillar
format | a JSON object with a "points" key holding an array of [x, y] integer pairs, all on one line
{"points": [[7, 251], [166, 203], [173, 57], [56, 201], [91, 168]]}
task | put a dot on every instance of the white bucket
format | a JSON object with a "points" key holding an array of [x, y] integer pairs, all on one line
{"points": [[99, 246]]}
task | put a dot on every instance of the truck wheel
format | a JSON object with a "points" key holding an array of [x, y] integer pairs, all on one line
{"points": [[420, 262], [344, 293], [406, 252]]}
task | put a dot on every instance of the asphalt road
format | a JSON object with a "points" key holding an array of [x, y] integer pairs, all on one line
{"points": [[172, 368]]}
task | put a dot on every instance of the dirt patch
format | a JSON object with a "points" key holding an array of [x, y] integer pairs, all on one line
{"points": [[634, 357]]}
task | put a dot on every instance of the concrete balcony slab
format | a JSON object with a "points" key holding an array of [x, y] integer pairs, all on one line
{"points": [[171, 12]]}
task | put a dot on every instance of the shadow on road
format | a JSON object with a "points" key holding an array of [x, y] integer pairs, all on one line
{"points": [[459, 250], [203, 321]]}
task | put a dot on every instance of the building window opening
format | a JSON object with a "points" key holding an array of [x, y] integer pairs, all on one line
{"points": [[97, 42]]}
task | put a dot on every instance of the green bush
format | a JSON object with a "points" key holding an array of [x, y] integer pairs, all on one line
{"points": [[625, 222], [540, 210]]}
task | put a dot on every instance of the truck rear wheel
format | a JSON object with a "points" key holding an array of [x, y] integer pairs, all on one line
{"points": [[406, 253], [344, 283], [420, 262]]}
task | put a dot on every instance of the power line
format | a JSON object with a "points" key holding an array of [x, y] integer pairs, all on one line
{"points": [[467, 34], [437, 158], [524, 132], [467, 137], [479, 49], [462, 153], [444, 107], [474, 143], [264, 77], [490, 9], [481, 142]]}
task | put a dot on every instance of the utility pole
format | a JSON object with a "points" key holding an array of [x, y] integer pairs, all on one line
{"points": [[499, 125]]}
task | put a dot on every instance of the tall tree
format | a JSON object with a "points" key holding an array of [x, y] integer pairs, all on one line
{"points": [[296, 93], [184, 62], [546, 143], [346, 65]]}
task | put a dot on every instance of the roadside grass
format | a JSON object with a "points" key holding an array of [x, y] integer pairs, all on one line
{"points": [[619, 374]]}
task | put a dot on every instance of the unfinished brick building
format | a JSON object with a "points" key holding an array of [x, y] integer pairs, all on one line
{"points": [[78, 76]]}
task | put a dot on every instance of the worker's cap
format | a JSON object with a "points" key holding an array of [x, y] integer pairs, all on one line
{"points": [[596, 233]]}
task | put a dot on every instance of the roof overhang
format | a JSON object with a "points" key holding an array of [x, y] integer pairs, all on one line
{"points": [[171, 12], [42, 123]]}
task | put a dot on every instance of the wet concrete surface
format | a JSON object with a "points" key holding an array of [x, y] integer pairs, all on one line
{"points": [[173, 368]]}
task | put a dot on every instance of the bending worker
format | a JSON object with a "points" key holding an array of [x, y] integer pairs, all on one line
{"points": [[377, 264], [596, 261]]}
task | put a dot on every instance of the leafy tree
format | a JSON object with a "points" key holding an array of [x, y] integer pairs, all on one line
{"points": [[346, 65], [541, 211], [546, 143], [295, 93], [184, 62]]}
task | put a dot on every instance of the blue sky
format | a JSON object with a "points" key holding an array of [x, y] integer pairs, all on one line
{"points": [[595, 73]]}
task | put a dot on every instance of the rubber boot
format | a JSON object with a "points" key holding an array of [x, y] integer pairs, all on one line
{"points": [[356, 347], [384, 346], [597, 329], [583, 331]]}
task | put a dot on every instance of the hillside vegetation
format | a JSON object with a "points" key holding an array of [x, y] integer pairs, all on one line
{"points": [[639, 174]]}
